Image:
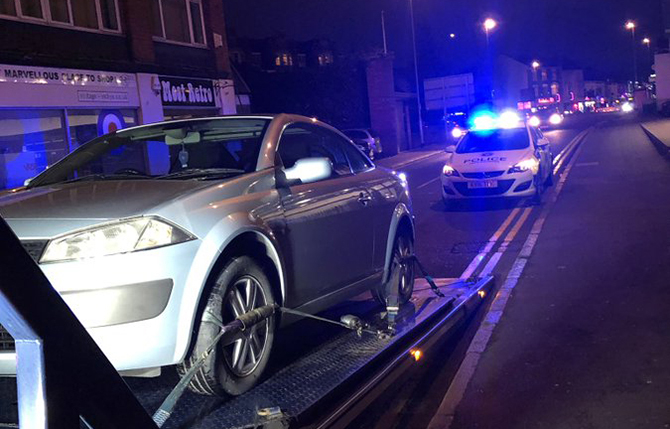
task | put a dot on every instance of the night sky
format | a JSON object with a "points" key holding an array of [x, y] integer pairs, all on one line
{"points": [[586, 34]]}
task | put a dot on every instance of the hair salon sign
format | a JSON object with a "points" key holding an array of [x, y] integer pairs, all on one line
{"points": [[183, 92]]}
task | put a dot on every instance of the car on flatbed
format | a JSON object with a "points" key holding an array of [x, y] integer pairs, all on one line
{"points": [[157, 234]]}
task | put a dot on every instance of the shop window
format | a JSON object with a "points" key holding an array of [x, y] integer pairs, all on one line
{"points": [[8, 7], [98, 15], [30, 141], [87, 124], [179, 21]]}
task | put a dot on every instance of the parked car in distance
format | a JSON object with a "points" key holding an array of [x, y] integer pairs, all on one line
{"points": [[154, 235], [366, 139]]}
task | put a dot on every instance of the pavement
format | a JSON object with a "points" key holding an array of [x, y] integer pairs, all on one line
{"points": [[658, 132], [583, 342]]}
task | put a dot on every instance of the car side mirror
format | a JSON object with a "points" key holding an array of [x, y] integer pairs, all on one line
{"points": [[308, 170], [450, 149], [543, 142]]}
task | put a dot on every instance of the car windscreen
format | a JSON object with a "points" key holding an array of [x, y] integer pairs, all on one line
{"points": [[173, 150], [494, 140]]}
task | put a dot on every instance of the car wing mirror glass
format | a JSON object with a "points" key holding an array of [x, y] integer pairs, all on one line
{"points": [[309, 170]]}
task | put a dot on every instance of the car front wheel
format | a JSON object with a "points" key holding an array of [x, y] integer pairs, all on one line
{"points": [[403, 252], [237, 367]]}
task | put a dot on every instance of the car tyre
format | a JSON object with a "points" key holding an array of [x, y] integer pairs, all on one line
{"points": [[403, 251], [241, 286]]}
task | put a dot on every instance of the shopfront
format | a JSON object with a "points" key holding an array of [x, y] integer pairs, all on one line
{"points": [[45, 113]]}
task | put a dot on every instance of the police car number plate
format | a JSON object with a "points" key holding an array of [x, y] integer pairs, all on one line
{"points": [[483, 184]]}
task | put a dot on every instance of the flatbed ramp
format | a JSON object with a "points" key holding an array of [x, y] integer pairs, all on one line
{"points": [[323, 375]]}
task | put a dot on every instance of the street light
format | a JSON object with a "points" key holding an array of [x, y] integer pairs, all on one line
{"points": [[416, 72], [646, 41], [536, 65], [489, 25], [452, 36], [630, 25]]}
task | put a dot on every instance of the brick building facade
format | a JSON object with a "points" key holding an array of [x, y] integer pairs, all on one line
{"points": [[71, 70]]}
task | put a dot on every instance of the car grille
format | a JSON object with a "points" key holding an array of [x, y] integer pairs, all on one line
{"points": [[503, 186], [35, 248], [6, 341], [483, 175]]}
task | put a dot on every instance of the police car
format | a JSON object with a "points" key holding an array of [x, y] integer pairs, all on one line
{"points": [[500, 157]]}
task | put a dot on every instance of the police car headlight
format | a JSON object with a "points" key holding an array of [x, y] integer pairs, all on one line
{"points": [[125, 236], [531, 164], [450, 171]]}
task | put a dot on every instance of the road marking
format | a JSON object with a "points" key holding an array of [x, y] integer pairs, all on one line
{"points": [[477, 260], [481, 256], [417, 159], [428, 183], [493, 262], [444, 416]]}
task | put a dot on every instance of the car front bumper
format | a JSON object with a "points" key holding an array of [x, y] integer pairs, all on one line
{"points": [[131, 304], [508, 185]]}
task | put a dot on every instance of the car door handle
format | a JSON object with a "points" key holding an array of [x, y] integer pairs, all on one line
{"points": [[364, 198]]}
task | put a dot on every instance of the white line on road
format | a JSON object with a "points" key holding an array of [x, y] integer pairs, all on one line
{"points": [[428, 182], [444, 416], [474, 264]]}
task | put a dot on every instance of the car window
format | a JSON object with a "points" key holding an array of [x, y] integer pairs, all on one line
{"points": [[357, 160], [300, 141], [494, 140]]}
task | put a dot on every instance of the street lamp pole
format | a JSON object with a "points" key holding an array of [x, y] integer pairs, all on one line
{"points": [[630, 25], [416, 73], [647, 41]]}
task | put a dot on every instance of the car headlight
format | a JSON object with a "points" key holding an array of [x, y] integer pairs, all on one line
{"points": [[555, 119], [113, 238], [531, 164], [449, 171], [534, 121], [457, 133]]}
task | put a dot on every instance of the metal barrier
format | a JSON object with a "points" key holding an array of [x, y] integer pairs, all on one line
{"points": [[62, 375]]}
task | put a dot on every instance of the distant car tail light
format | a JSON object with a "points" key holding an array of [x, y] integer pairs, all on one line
{"points": [[114, 238]]}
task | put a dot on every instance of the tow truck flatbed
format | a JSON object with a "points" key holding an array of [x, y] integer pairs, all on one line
{"points": [[322, 375]]}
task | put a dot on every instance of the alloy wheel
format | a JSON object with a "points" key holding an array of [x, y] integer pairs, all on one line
{"points": [[244, 355]]}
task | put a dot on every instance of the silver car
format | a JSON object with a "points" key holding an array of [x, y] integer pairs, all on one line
{"points": [[155, 234]]}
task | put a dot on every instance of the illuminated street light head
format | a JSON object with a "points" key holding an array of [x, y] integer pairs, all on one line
{"points": [[646, 41], [490, 24], [452, 36], [630, 25], [535, 64]]}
